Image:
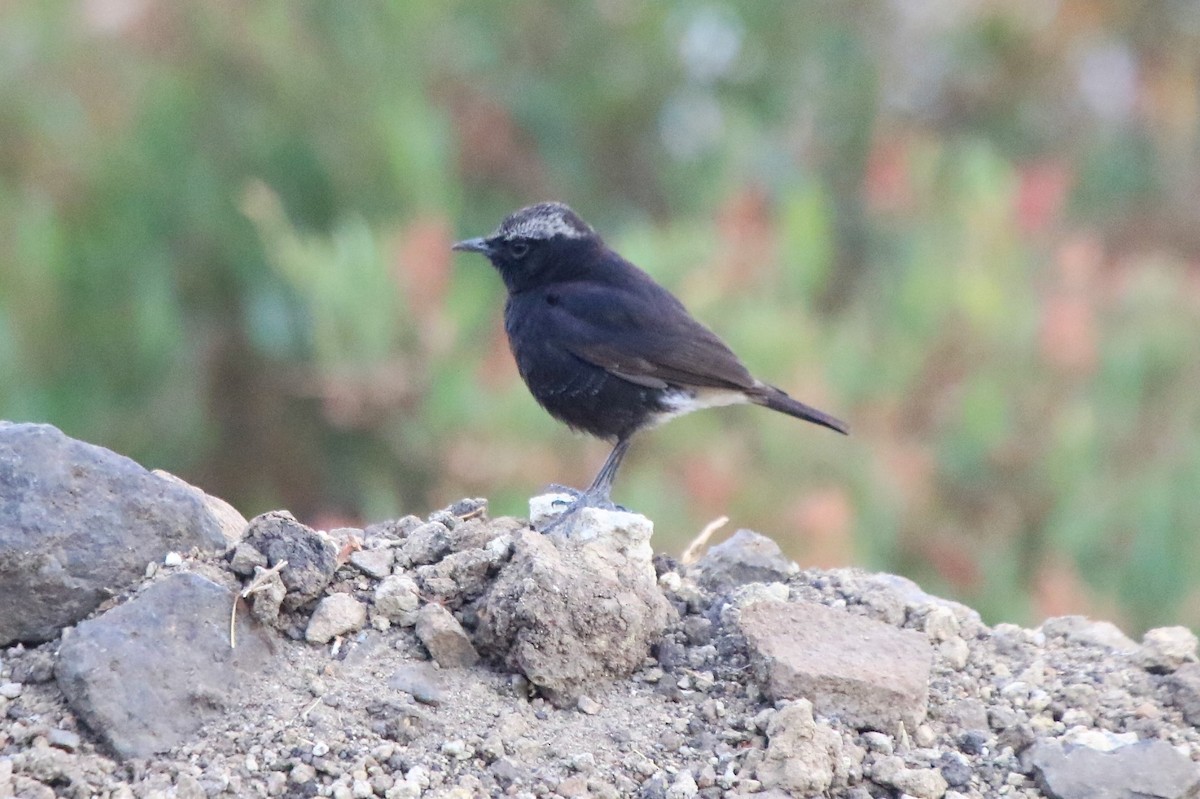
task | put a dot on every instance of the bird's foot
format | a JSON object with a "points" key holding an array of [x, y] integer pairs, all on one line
{"points": [[564, 523]]}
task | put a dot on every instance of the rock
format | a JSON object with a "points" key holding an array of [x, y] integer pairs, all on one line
{"points": [[867, 673], [429, 543], [147, 674], [1087, 632], [397, 598], [920, 783], [267, 597], [459, 577], [244, 559], [64, 739], [1149, 769], [802, 755], [1184, 686], [393, 529], [336, 614], [568, 611], [1165, 649], [229, 519], [375, 563], [746, 557], [445, 638], [311, 558], [79, 523], [420, 681]]}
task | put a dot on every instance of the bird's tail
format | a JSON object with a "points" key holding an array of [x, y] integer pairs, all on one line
{"points": [[777, 400]]}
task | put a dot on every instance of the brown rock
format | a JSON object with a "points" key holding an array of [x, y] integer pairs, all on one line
{"points": [[867, 673]]}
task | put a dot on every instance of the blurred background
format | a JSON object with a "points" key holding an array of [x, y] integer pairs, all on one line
{"points": [[970, 228]]}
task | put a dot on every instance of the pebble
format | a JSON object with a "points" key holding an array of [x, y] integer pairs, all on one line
{"points": [[1165, 649], [587, 705], [375, 563], [336, 614], [11, 690], [63, 739]]}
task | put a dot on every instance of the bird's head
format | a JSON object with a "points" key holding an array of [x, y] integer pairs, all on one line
{"points": [[535, 245]]}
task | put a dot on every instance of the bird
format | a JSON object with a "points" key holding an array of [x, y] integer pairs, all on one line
{"points": [[603, 347]]}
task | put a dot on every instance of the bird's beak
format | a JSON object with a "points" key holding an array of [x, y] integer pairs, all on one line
{"points": [[473, 245]]}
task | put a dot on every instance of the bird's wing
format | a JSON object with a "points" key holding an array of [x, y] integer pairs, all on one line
{"points": [[644, 335]]}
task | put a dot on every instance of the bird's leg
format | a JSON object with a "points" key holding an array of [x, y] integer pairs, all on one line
{"points": [[597, 495]]}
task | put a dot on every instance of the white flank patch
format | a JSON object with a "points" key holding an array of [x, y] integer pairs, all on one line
{"points": [[682, 401], [543, 221]]}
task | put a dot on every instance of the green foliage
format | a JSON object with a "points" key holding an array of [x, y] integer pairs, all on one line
{"points": [[224, 238]]}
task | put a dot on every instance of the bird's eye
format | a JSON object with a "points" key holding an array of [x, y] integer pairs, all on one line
{"points": [[519, 249]]}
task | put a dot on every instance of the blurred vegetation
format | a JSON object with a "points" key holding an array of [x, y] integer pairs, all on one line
{"points": [[970, 229]]}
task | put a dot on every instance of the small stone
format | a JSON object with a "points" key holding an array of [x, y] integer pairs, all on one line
{"points": [[429, 543], [244, 560], [63, 739], [445, 638], [746, 557], [878, 742], [375, 563], [955, 769], [955, 652], [941, 624], [1150, 768], [456, 749], [11, 690], [802, 756], [1184, 685], [1164, 649], [683, 787], [303, 773], [336, 614], [420, 681], [587, 705], [921, 783], [397, 598], [1088, 632], [173, 559]]}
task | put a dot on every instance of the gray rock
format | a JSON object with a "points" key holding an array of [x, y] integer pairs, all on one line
{"points": [[79, 523], [375, 563], [802, 755], [746, 557], [66, 740], [1184, 685], [1088, 632], [394, 529], [867, 673], [147, 674], [419, 680], [397, 598], [311, 558], [429, 543], [267, 597], [445, 638], [920, 783], [229, 519], [1149, 769], [459, 577], [1165, 649], [569, 611], [245, 559], [336, 614]]}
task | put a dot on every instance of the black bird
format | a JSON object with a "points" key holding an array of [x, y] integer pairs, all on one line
{"points": [[603, 347]]}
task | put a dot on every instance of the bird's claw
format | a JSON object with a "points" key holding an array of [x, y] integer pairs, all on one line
{"points": [[564, 522]]}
